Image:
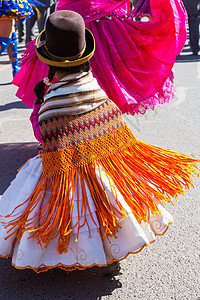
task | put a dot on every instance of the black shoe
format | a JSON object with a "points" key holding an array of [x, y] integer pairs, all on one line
{"points": [[111, 269], [20, 40], [195, 52]]}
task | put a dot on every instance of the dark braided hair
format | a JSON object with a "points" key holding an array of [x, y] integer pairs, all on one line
{"points": [[40, 86], [39, 89]]}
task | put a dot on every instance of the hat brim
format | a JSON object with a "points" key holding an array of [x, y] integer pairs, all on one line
{"points": [[43, 56]]}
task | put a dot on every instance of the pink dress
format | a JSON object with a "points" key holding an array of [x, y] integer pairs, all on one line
{"points": [[133, 60]]}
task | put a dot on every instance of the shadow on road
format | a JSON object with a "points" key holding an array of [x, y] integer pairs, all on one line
{"points": [[4, 62], [6, 83], [12, 156], [55, 283], [89, 284], [187, 58], [11, 105]]}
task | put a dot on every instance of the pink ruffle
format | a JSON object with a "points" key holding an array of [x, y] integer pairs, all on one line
{"points": [[166, 93]]}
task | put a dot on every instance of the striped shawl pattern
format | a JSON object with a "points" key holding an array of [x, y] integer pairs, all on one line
{"points": [[74, 94]]}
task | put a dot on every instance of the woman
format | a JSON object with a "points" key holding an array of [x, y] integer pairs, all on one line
{"points": [[133, 61], [96, 193], [193, 9]]}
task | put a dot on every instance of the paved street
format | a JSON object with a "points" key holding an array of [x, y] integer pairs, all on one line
{"points": [[170, 268]]}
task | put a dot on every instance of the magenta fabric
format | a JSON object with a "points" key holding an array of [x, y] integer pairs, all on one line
{"points": [[92, 10], [133, 60], [143, 8]]}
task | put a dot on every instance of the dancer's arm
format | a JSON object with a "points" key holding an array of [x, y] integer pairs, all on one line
{"points": [[34, 121]]}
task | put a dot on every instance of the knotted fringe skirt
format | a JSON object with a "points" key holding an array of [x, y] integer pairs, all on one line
{"points": [[94, 215]]}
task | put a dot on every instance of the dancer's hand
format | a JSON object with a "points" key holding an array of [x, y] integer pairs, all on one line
{"points": [[38, 101]]}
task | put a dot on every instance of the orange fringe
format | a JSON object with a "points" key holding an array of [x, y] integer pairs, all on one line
{"points": [[140, 172]]}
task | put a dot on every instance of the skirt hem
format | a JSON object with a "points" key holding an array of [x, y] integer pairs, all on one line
{"points": [[44, 268]]}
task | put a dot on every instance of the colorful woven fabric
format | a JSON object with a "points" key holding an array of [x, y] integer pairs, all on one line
{"points": [[62, 132]]}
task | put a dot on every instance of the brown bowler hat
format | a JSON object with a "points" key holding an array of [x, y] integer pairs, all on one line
{"points": [[65, 42]]}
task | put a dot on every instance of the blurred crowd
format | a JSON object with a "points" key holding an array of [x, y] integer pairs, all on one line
{"points": [[34, 20], [46, 7], [42, 10]]}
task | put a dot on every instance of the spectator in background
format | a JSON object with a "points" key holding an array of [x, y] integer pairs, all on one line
{"points": [[30, 24], [133, 3], [42, 12], [53, 6], [192, 7], [20, 28]]}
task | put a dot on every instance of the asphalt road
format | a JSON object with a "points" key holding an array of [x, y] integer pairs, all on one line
{"points": [[169, 269]]}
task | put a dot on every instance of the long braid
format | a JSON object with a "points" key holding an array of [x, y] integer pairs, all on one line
{"points": [[40, 86], [39, 89]]}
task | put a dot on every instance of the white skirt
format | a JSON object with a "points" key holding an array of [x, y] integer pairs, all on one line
{"points": [[132, 237]]}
